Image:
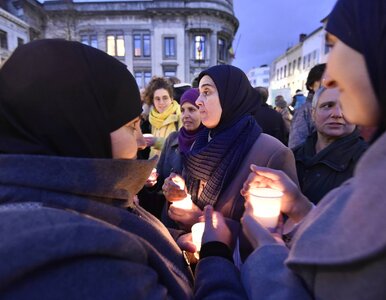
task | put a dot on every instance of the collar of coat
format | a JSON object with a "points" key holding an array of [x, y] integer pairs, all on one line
{"points": [[110, 180]]}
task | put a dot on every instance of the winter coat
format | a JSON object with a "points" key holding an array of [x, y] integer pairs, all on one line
{"points": [[319, 173], [338, 251], [302, 124], [66, 234], [272, 123]]}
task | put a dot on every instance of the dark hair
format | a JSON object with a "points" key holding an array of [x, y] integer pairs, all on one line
{"points": [[157, 83], [263, 93], [314, 75]]}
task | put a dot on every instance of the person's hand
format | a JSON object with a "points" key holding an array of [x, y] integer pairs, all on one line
{"points": [[256, 233], [185, 217], [185, 243], [171, 188], [152, 180], [294, 204], [215, 227], [149, 139]]}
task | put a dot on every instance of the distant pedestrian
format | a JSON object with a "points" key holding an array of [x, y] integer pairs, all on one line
{"points": [[302, 125], [270, 120]]}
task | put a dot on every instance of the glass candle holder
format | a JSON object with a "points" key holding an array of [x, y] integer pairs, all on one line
{"points": [[266, 203], [197, 232]]}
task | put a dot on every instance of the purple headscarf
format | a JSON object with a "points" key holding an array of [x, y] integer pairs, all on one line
{"points": [[186, 138]]}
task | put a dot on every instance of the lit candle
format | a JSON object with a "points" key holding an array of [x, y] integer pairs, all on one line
{"points": [[153, 175], [197, 232], [185, 203], [266, 204]]}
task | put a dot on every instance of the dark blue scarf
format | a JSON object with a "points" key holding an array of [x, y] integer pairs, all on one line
{"points": [[216, 162]]}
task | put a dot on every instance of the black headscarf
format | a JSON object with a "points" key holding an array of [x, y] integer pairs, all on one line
{"points": [[216, 162], [64, 98], [237, 96], [361, 25]]}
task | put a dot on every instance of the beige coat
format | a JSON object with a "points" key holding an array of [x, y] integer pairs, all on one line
{"points": [[269, 152], [339, 251]]}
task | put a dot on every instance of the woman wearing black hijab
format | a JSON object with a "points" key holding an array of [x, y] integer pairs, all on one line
{"points": [[339, 248], [69, 128], [219, 161]]}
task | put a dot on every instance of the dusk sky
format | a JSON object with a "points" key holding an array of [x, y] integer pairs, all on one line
{"points": [[268, 27]]}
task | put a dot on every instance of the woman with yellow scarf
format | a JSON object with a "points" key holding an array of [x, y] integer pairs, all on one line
{"points": [[165, 114]]}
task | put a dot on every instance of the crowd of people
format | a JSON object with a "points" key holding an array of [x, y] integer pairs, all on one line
{"points": [[86, 213]]}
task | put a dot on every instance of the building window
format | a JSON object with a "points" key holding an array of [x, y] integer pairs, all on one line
{"points": [[142, 78], [90, 40], [299, 63], [289, 69], [115, 44], [141, 45], [169, 47], [293, 66], [3, 40], [221, 50], [285, 71], [199, 47], [304, 62], [20, 42]]}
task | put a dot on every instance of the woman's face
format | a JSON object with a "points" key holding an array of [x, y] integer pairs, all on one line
{"points": [[190, 116], [126, 140], [161, 100], [209, 103], [328, 116], [346, 70]]}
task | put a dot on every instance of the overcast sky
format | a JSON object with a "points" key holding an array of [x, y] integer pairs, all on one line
{"points": [[268, 27]]}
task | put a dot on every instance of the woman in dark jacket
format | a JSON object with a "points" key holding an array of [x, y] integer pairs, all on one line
{"points": [[328, 156], [176, 147]]}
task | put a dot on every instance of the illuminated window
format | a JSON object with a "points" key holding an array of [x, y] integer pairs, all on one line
{"points": [[141, 45], [90, 40], [115, 45], [199, 47]]}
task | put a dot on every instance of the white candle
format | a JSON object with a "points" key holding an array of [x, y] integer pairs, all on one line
{"points": [[185, 203], [266, 204], [197, 232], [153, 175]]}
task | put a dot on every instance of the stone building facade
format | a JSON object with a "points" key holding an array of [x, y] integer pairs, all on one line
{"points": [[152, 37]]}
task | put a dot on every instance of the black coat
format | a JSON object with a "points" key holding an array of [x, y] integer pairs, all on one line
{"points": [[272, 123], [319, 173]]}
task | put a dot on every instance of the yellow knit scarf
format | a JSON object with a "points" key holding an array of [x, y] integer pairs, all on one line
{"points": [[157, 119]]}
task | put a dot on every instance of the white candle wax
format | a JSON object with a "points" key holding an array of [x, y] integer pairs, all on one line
{"points": [[153, 175], [197, 232], [185, 203], [266, 204]]}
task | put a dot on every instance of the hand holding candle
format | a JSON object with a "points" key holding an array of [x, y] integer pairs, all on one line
{"points": [[266, 204]]}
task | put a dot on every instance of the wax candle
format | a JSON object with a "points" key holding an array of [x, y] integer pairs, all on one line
{"points": [[266, 204], [197, 232]]}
